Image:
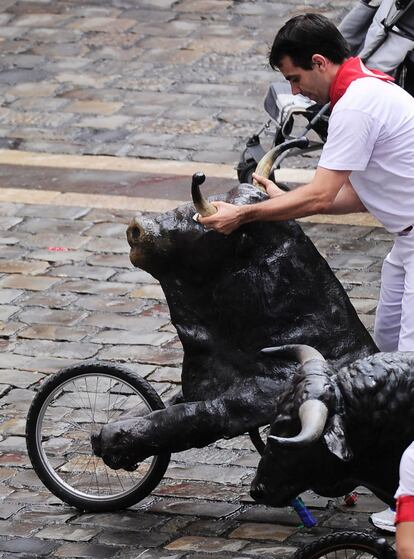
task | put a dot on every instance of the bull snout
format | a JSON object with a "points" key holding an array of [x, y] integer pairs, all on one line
{"points": [[135, 232]]}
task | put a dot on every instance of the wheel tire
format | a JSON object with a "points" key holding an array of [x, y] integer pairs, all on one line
{"points": [[48, 431], [369, 546]]}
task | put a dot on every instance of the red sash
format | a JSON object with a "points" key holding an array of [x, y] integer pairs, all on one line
{"points": [[405, 509], [352, 69]]}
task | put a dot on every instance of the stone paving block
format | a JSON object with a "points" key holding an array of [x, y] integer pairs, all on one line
{"points": [[136, 277], [142, 539], [51, 332], [128, 521], [9, 295], [117, 246], [6, 311], [58, 226], [111, 289], [264, 551], [120, 305], [198, 490], [166, 374], [55, 300], [86, 550], [210, 545], [68, 533], [20, 379], [121, 337], [113, 261], [211, 510], [210, 528], [353, 521], [13, 444], [229, 474], [148, 292], [26, 267], [12, 427], [28, 546], [32, 283], [54, 316], [50, 348], [137, 324], [9, 222], [263, 531], [79, 271], [143, 354], [8, 510]]}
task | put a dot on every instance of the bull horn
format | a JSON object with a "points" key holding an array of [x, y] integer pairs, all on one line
{"points": [[202, 205], [299, 352], [265, 165], [312, 415]]}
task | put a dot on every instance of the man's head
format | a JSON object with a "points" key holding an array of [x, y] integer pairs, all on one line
{"points": [[308, 50]]}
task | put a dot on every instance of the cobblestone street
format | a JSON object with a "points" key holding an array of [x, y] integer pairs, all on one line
{"points": [[163, 87]]}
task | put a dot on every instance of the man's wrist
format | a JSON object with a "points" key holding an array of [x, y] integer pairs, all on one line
{"points": [[246, 213]]}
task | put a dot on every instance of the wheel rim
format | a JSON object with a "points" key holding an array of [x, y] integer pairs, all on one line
{"points": [[349, 552], [71, 413]]}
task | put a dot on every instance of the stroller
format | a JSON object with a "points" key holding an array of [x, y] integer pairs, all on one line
{"points": [[298, 125]]}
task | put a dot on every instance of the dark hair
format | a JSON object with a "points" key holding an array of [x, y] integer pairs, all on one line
{"points": [[303, 36]]}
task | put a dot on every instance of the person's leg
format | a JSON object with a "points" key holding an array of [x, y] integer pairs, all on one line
{"points": [[406, 338], [405, 506], [388, 315], [386, 336]]}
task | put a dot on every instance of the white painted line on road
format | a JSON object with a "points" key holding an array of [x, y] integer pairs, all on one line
{"points": [[55, 198], [128, 164]]}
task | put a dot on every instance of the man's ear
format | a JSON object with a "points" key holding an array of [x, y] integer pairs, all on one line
{"points": [[319, 61]]}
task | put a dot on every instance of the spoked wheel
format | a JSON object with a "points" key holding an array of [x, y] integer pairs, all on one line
{"points": [[347, 545], [68, 409]]}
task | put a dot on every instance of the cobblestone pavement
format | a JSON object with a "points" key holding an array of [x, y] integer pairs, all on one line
{"points": [[172, 79], [177, 80]]}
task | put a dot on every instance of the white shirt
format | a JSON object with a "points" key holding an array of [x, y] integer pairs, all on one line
{"points": [[406, 486], [371, 133]]}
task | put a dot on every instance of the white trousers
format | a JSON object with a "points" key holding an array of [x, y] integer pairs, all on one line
{"points": [[394, 321]]}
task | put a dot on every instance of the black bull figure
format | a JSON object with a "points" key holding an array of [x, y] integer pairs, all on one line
{"points": [[338, 429], [230, 296]]}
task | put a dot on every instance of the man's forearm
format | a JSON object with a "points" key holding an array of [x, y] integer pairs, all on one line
{"points": [[301, 202]]}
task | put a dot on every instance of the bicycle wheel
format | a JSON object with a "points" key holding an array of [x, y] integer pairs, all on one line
{"points": [[69, 407], [347, 545]]}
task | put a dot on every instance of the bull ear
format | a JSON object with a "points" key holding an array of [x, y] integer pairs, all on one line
{"points": [[335, 439]]}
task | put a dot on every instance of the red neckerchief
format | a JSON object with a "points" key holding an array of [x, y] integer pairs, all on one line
{"points": [[351, 70]]}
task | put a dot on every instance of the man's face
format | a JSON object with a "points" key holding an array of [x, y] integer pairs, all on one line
{"points": [[312, 83]]}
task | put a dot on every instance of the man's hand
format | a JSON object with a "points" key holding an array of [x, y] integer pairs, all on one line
{"points": [[271, 188], [226, 220]]}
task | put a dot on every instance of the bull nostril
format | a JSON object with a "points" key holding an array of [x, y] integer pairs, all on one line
{"points": [[135, 232]]}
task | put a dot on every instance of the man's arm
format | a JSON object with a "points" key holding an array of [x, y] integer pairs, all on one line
{"points": [[318, 196], [405, 540]]}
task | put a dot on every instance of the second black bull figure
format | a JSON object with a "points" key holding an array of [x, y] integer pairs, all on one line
{"points": [[230, 296], [334, 430]]}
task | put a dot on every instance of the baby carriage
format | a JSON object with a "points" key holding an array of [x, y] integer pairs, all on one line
{"points": [[382, 34]]}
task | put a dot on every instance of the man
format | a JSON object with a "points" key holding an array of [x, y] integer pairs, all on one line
{"points": [[405, 506], [367, 163]]}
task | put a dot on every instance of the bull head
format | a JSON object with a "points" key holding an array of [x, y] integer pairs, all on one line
{"points": [[292, 462], [317, 397]]}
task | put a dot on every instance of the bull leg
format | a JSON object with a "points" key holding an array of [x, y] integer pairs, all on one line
{"points": [[123, 443]]}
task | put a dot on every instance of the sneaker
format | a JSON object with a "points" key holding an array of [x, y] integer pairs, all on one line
{"points": [[384, 520]]}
